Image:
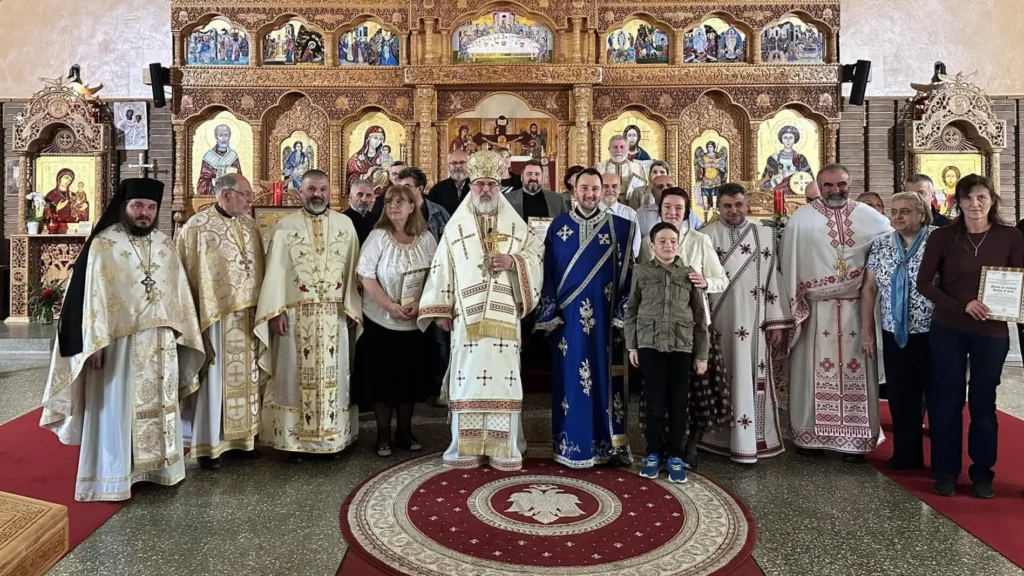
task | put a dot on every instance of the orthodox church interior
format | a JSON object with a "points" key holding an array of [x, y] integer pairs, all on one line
{"points": [[762, 93]]}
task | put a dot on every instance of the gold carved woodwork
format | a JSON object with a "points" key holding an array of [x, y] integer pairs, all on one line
{"points": [[582, 100], [519, 74], [831, 143], [712, 112], [554, 103], [720, 75], [425, 112], [36, 258], [562, 159]]}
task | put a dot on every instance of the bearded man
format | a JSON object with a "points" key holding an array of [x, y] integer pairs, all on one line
{"points": [[128, 351], [588, 269], [223, 257], [532, 200], [485, 278], [306, 321], [833, 398], [631, 173]]}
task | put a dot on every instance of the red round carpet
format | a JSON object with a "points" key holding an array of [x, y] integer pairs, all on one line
{"points": [[421, 519]]}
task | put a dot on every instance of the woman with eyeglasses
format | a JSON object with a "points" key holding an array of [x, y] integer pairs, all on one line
{"points": [[394, 359], [906, 315], [962, 330]]}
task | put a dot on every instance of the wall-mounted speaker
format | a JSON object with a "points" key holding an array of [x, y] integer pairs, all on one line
{"points": [[159, 77], [858, 75]]}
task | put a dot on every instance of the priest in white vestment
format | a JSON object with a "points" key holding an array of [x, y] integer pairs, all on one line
{"points": [[128, 350], [833, 396], [223, 258], [632, 174], [307, 320], [752, 314], [486, 276]]}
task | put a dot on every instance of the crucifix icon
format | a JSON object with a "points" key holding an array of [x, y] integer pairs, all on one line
{"points": [[142, 166]]}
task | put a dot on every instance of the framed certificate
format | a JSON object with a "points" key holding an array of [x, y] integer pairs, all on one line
{"points": [[1002, 290], [540, 226], [412, 285]]}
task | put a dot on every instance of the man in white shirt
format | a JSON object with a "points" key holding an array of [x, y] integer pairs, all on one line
{"points": [[610, 203], [648, 216]]}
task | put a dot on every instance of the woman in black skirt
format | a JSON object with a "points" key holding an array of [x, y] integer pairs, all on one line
{"points": [[393, 367]]}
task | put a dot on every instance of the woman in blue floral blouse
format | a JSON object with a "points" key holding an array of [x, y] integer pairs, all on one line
{"points": [[891, 275]]}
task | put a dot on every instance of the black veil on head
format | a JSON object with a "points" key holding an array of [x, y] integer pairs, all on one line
{"points": [[69, 327]]}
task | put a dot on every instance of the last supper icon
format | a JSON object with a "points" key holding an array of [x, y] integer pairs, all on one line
{"points": [[502, 37]]}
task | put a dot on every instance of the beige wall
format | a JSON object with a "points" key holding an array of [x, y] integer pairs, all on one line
{"points": [[904, 38], [114, 39]]}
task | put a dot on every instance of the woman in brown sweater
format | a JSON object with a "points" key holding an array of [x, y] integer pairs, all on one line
{"points": [[961, 329]]}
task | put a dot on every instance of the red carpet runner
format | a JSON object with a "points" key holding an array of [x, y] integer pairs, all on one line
{"points": [[995, 522], [37, 465]]}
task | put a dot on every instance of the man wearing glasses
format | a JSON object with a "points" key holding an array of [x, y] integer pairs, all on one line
{"points": [[223, 258], [450, 192]]}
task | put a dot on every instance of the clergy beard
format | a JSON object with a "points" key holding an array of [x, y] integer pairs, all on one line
{"points": [[316, 206], [134, 229], [483, 206], [836, 200], [459, 175], [619, 158]]}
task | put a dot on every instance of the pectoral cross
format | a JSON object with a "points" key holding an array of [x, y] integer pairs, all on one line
{"points": [[149, 283], [841, 267], [492, 240], [246, 263]]}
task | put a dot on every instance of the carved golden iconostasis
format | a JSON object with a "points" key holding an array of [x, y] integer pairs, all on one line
{"points": [[363, 85], [63, 151], [953, 132]]}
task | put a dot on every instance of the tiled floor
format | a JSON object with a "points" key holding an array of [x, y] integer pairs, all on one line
{"points": [[815, 517]]}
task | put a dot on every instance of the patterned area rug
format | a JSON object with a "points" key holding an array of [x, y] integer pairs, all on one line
{"points": [[421, 519]]}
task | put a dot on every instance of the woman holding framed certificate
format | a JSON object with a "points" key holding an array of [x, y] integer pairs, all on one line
{"points": [[394, 359], [891, 279], [966, 326]]}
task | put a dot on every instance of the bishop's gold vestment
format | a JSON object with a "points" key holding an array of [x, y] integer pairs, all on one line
{"points": [[311, 277], [223, 259], [138, 309]]}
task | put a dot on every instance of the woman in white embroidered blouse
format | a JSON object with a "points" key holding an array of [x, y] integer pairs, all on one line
{"points": [[709, 392], [393, 367]]}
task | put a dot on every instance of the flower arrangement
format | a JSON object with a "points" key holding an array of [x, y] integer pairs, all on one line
{"points": [[42, 300], [36, 208]]}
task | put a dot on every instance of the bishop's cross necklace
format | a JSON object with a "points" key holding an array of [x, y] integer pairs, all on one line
{"points": [[147, 268]]}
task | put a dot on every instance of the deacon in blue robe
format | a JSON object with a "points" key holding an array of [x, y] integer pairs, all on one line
{"points": [[587, 277]]}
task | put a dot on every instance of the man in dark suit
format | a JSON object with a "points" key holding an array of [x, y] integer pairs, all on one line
{"points": [[360, 199], [923, 185], [532, 201], [450, 191]]}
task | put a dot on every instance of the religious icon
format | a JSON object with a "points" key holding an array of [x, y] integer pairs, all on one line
{"points": [[536, 143], [66, 183], [502, 37], [298, 155], [220, 145], [369, 44], [792, 40], [219, 43], [710, 169], [632, 134], [946, 169], [463, 141], [788, 144], [634, 124], [12, 174], [131, 126], [373, 139], [292, 44], [637, 42]]}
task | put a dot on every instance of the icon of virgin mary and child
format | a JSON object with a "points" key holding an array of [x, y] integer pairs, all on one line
{"points": [[68, 206], [371, 162]]}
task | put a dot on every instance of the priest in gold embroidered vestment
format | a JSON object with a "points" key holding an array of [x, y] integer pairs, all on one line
{"points": [[128, 350], [223, 258], [485, 277], [306, 320]]}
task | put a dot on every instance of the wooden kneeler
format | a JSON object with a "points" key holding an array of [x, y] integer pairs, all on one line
{"points": [[33, 535]]}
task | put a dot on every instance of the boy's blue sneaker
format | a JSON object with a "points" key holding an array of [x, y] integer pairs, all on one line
{"points": [[652, 466], [676, 471]]}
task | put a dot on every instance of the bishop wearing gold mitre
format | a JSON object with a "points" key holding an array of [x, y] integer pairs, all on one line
{"points": [[307, 320], [223, 258], [128, 350], [486, 276]]}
